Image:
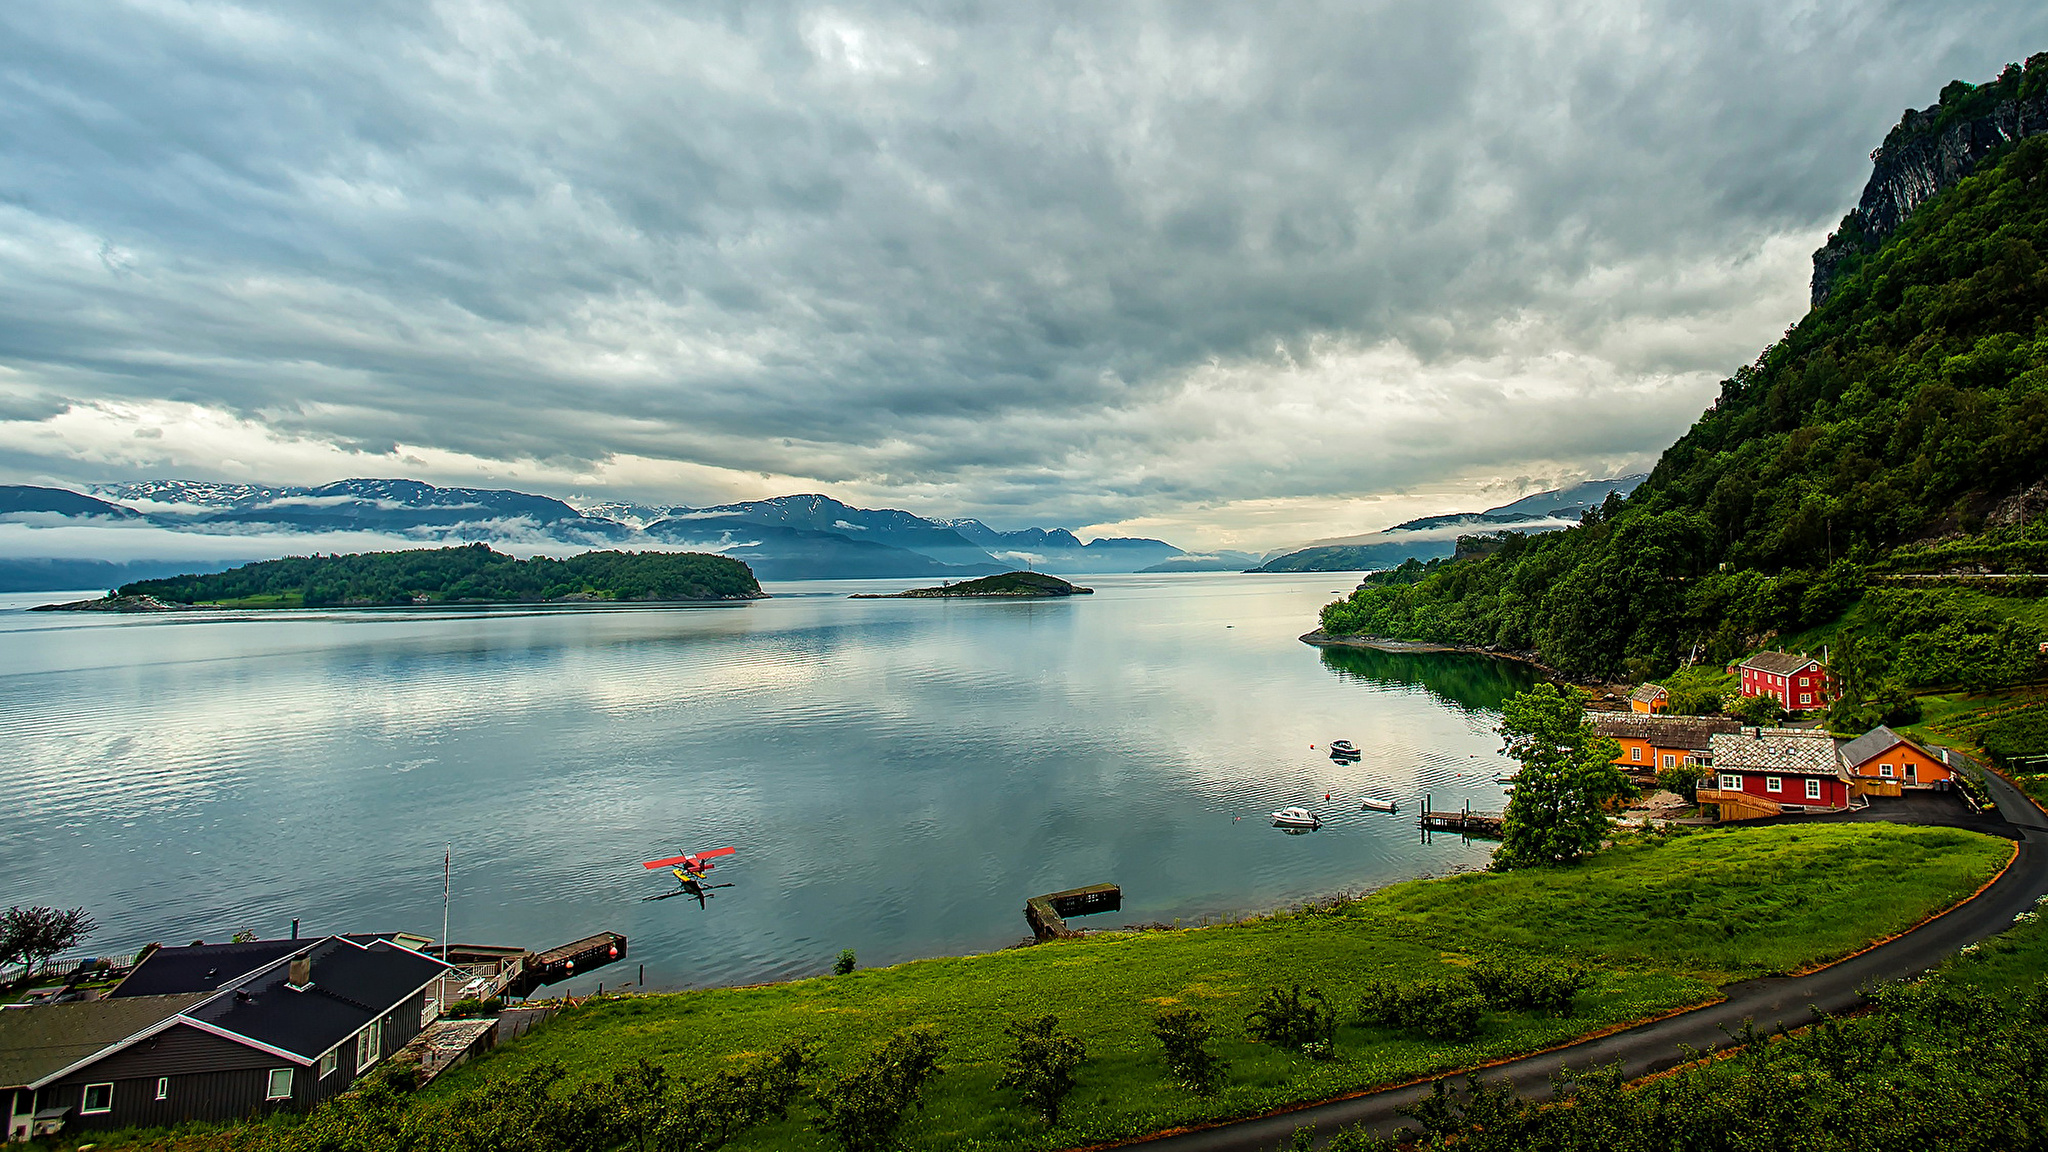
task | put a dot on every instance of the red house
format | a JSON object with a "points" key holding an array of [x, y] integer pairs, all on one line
{"points": [[1797, 683], [1769, 771]]}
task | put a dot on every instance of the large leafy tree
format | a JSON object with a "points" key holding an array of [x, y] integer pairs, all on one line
{"points": [[1567, 777], [32, 935]]}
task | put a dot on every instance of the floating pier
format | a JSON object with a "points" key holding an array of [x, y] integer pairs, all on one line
{"points": [[1048, 914], [1465, 823], [571, 959]]}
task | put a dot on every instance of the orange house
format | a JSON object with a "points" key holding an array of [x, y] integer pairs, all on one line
{"points": [[1650, 743], [1883, 762], [1650, 698]]}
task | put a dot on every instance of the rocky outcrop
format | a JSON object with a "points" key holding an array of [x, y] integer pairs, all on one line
{"points": [[1933, 149]]}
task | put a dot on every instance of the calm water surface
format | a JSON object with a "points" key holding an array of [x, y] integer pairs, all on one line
{"points": [[900, 776]]}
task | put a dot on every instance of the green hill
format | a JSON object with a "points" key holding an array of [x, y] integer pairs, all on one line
{"points": [[468, 574], [1902, 424], [1005, 584]]}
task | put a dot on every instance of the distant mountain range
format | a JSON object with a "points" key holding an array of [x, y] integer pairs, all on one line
{"points": [[1436, 536], [59, 539]]}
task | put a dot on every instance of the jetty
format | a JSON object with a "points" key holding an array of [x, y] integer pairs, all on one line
{"points": [[571, 959], [1048, 914], [1465, 822]]}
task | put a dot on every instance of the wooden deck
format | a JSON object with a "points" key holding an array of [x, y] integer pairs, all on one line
{"points": [[1047, 914]]}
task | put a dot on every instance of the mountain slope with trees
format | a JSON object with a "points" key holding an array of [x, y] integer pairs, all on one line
{"points": [[1904, 419]]}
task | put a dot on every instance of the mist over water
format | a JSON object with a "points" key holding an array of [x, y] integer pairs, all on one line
{"points": [[899, 776]]}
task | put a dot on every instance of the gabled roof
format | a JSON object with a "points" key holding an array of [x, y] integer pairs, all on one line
{"points": [[211, 967], [351, 985], [39, 1042], [1692, 732], [1778, 663], [1877, 742], [1795, 751], [1649, 693]]}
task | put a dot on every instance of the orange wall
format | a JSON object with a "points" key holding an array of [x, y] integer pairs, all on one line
{"points": [[1927, 768], [1652, 757]]}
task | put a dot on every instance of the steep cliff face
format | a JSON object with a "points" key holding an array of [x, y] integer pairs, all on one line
{"points": [[1931, 149]]}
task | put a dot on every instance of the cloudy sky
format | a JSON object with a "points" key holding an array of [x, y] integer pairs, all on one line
{"points": [[1232, 274]]}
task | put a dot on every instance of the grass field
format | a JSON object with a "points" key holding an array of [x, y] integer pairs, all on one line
{"points": [[1663, 922]]}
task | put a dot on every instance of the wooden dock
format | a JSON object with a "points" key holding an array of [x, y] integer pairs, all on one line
{"points": [[1465, 823], [571, 959], [1048, 914]]}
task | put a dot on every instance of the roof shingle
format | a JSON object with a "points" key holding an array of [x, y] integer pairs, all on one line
{"points": [[1797, 751]]}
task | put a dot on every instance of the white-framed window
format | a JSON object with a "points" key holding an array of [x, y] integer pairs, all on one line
{"points": [[1730, 782], [1884, 770], [98, 1098], [329, 1063], [367, 1048], [1806, 697], [1812, 789], [1636, 754], [1912, 770], [1774, 783], [1670, 760], [280, 1086], [163, 1087]]}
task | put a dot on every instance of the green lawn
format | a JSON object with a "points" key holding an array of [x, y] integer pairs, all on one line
{"points": [[1662, 922]]}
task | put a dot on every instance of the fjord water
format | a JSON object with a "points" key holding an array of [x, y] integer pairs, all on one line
{"points": [[899, 775]]}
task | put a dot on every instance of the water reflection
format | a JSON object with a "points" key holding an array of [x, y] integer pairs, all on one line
{"points": [[1466, 680]]}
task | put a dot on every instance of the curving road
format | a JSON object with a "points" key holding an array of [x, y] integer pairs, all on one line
{"points": [[1789, 1001]]}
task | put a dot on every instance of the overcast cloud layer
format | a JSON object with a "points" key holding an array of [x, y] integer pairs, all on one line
{"points": [[1232, 274]]}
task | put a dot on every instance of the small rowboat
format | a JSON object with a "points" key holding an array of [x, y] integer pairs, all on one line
{"points": [[1344, 750], [1295, 818], [1373, 804]]}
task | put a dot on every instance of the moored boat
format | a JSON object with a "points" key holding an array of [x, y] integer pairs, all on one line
{"points": [[1295, 818], [1344, 750], [1374, 804]]}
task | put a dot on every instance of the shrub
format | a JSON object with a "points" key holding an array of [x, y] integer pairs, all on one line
{"points": [[1042, 1066], [1439, 1009], [1304, 1022], [1185, 1036], [1540, 986], [863, 1107], [471, 1006], [844, 964]]}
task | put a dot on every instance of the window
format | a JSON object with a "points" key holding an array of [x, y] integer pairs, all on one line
{"points": [[98, 1098], [1884, 770], [1669, 759], [1730, 782], [1912, 771], [1813, 789], [1806, 697], [1636, 754], [280, 1085], [163, 1087], [1774, 783], [366, 1047], [329, 1063]]}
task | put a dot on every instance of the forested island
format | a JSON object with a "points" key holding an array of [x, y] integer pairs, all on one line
{"points": [[1006, 584], [470, 574]]}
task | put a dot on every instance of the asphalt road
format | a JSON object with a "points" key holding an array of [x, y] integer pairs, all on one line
{"points": [[1788, 1001]]}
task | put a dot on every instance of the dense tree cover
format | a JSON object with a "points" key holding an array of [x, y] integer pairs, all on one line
{"points": [[469, 573], [1902, 409]]}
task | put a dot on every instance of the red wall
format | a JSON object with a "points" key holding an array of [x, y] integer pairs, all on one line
{"points": [[1834, 793]]}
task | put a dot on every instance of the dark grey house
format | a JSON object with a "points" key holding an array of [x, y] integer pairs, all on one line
{"points": [[213, 1032]]}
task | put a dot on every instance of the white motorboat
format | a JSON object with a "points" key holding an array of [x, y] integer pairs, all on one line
{"points": [[1295, 818], [1374, 804]]}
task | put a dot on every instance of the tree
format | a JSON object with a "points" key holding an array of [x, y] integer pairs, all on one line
{"points": [[1185, 1036], [32, 935], [1567, 778], [1761, 711], [1291, 1018], [863, 1107], [1042, 1067], [846, 962]]}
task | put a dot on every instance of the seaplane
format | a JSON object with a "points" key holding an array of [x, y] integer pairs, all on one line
{"points": [[690, 868]]}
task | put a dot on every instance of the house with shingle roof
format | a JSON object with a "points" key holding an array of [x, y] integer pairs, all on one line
{"points": [[294, 1027], [1651, 742], [1797, 683], [1649, 698], [1882, 762], [1768, 771]]}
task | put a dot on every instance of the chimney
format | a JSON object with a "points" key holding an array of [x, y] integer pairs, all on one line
{"points": [[301, 977]]}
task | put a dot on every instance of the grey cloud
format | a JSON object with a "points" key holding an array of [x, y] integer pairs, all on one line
{"points": [[947, 248]]}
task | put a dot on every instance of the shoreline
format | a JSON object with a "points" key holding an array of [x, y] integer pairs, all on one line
{"points": [[1322, 639]]}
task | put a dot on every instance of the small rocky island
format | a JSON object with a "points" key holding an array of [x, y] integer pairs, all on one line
{"points": [[1009, 584]]}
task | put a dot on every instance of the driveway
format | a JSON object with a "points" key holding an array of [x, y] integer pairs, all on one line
{"points": [[1790, 1001]]}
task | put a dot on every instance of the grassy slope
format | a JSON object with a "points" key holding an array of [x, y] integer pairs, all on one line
{"points": [[1725, 904]]}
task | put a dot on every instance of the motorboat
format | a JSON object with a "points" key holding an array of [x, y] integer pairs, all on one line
{"points": [[1374, 804], [1295, 818], [1344, 750]]}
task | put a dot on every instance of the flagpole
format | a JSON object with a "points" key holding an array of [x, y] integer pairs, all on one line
{"points": [[446, 856]]}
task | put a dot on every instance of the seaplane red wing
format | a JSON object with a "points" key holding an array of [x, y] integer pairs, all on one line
{"points": [[695, 857]]}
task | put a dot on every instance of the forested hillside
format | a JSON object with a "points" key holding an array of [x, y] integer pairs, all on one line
{"points": [[1902, 423], [469, 574]]}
